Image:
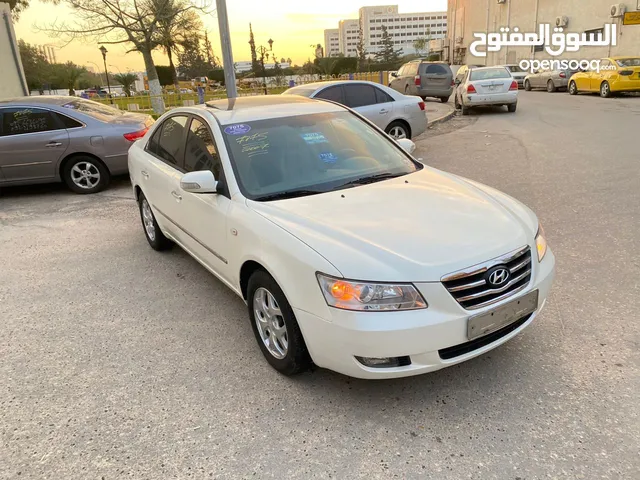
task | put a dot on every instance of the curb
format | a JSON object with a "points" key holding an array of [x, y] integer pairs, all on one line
{"points": [[442, 118]]}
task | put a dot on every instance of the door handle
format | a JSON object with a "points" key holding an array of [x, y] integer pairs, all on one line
{"points": [[144, 174], [383, 111], [53, 144], [176, 195]]}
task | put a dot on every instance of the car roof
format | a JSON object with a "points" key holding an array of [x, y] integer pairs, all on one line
{"points": [[246, 109], [317, 85], [620, 57], [39, 99]]}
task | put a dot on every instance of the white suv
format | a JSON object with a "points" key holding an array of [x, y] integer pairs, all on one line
{"points": [[348, 252]]}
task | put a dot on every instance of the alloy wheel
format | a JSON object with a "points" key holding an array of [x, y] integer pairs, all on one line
{"points": [[147, 219], [85, 175], [270, 323], [398, 132]]}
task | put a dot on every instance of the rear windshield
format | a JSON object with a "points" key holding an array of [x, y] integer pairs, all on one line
{"points": [[93, 109], [302, 91], [628, 62], [489, 74], [515, 69]]}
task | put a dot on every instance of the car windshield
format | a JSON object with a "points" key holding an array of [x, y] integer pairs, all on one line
{"points": [[94, 109], [489, 74], [307, 154], [628, 62], [515, 69]]}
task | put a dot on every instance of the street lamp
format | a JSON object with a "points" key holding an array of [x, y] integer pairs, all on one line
{"points": [[106, 72], [264, 53]]}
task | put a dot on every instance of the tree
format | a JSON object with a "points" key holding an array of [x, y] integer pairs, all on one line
{"points": [[387, 53], [35, 65], [127, 80], [174, 32], [421, 45], [326, 65], [66, 75], [165, 74], [254, 55], [212, 60], [192, 59], [289, 60], [133, 22], [361, 51]]}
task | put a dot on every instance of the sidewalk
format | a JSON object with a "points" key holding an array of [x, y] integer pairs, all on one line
{"points": [[437, 111]]}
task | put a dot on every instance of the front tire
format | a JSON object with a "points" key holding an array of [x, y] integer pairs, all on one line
{"points": [[527, 85], [550, 86], [84, 174], [275, 326], [152, 231], [605, 90], [398, 130], [573, 88]]}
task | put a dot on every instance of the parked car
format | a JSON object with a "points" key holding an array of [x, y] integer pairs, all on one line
{"points": [[80, 142], [551, 80], [425, 79], [401, 116], [517, 73], [348, 252], [623, 77], [485, 86]]}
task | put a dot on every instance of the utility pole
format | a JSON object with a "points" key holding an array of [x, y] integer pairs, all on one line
{"points": [[225, 45]]}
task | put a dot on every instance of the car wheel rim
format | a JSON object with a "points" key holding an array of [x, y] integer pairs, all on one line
{"points": [[270, 323], [147, 220], [605, 89], [85, 175], [572, 88], [398, 133]]}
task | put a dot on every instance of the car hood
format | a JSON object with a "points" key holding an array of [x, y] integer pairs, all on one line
{"points": [[418, 227]]}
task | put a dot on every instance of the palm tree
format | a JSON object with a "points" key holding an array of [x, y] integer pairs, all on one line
{"points": [[127, 80], [68, 74], [326, 65]]}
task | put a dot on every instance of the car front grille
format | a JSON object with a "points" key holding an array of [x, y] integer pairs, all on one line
{"points": [[471, 286]]}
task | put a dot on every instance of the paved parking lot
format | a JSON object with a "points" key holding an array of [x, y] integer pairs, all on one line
{"points": [[121, 362]]}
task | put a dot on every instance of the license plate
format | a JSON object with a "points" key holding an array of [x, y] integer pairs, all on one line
{"points": [[502, 316], [493, 88]]}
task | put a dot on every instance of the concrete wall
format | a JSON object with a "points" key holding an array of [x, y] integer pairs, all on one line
{"points": [[13, 83], [469, 16]]}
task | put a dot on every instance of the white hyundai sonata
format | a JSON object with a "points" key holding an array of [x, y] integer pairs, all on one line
{"points": [[348, 252]]}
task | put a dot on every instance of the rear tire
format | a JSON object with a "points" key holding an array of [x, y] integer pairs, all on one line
{"points": [[275, 326], [444, 99], [398, 130], [512, 108], [84, 174], [605, 90], [573, 88], [465, 110], [456, 103], [527, 85], [550, 86], [152, 231]]}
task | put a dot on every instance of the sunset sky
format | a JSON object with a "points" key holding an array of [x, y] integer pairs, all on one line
{"points": [[294, 25]]}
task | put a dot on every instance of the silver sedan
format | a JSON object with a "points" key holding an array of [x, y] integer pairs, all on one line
{"points": [[551, 80], [400, 116], [53, 138]]}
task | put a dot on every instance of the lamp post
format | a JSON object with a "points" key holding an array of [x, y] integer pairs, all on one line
{"points": [[106, 72], [264, 53]]}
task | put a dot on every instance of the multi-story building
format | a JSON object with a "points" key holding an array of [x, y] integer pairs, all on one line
{"points": [[575, 16], [332, 42], [404, 29]]}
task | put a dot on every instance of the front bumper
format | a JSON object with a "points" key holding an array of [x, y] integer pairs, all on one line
{"points": [[419, 334], [480, 99]]}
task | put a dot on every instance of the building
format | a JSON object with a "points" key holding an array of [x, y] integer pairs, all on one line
{"points": [[332, 42], [575, 16], [13, 82], [404, 29]]}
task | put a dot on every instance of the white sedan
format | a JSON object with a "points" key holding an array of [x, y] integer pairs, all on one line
{"points": [[485, 86], [348, 252]]}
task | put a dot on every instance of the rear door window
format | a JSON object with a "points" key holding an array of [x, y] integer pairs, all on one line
{"points": [[21, 120], [359, 95], [382, 97], [436, 69]]}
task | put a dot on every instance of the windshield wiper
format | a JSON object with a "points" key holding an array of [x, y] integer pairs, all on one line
{"points": [[371, 179], [287, 194]]}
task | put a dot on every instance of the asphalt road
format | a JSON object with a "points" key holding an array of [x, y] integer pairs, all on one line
{"points": [[120, 362]]}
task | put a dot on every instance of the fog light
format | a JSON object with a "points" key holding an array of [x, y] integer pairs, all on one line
{"points": [[384, 362]]}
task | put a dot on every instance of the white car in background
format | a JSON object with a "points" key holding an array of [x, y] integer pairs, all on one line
{"points": [[485, 86], [348, 252], [399, 115]]}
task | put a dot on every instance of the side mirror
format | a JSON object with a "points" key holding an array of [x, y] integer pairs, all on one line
{"points": [[201, 181], [407, 145]]}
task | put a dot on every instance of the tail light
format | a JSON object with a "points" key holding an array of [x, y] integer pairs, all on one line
{"points": [[416, 80], [453, 83], [625, 72], [514, 85], [421, 105], [562, 75], [133, 136], [471, 88]]}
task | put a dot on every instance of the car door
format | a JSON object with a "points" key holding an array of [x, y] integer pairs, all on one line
{"points": [[596, 78], [163, 169], [583, 81], [32, 141], [362, 98], [203, 216], [410, 87]]}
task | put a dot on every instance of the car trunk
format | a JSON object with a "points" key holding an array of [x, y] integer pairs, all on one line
{"points": [[492, 86]]}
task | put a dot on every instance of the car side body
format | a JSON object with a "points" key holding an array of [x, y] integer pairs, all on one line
{"points": [[616, 75], [549, 80], [39, 136], [401, 116]]}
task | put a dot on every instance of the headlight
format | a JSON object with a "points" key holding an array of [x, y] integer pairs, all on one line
{"points": [[369, 296], [541, 243]]}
